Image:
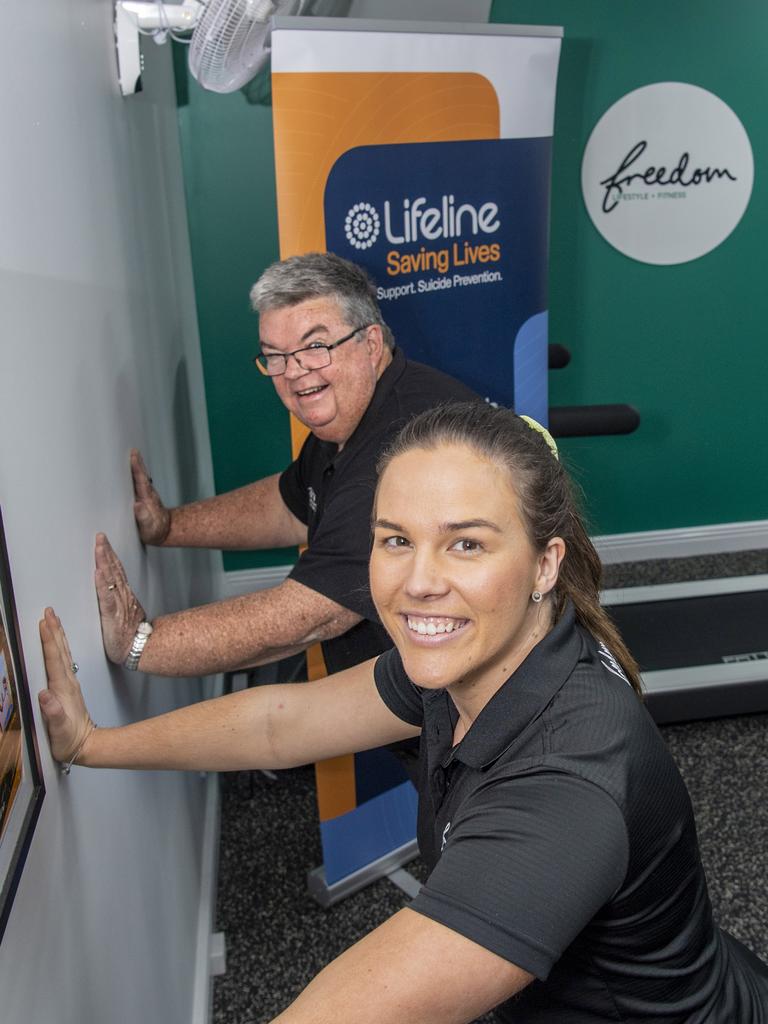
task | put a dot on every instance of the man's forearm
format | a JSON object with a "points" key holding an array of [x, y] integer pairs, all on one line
{"points": [[242, 631], [209, 639], [250, 517]]}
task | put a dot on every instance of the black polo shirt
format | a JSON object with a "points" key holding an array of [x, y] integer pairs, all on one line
{"points": [[332, 492], [560, 836]]}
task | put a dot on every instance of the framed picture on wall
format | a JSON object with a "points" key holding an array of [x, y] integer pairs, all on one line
{"points": [[21, 778]]}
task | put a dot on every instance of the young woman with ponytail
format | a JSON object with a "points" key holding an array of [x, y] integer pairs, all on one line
{"points": [[565, 885]]}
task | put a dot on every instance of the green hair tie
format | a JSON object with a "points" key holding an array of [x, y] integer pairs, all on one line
{"points": [[532, 423]]}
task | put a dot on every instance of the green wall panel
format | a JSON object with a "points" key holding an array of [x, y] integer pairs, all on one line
{"points": [[684, 344], [228, 155]]}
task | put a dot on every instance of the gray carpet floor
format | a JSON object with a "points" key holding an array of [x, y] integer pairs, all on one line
{"points": [[278, 939]]}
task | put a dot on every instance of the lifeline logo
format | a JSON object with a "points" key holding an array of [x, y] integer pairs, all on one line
{"points": [[416, 220], [462, 231], [413, 220], [362, 226]]}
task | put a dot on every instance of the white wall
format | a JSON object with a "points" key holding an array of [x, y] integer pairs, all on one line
{"points": [[99, 352]]}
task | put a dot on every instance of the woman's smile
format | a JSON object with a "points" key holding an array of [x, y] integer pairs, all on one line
{"points": [[434, 627]]}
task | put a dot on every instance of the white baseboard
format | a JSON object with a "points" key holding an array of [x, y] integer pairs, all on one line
{"points": [[612, 548], [691, 540], [245, 581], [202, 996]]}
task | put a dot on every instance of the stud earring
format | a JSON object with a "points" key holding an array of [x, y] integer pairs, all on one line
{"points": [[536, 596]]}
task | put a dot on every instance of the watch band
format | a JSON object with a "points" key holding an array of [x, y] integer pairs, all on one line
{"points": [[138, 643]]}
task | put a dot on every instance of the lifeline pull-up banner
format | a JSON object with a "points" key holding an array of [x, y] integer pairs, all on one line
{"points": [[421, 151]]}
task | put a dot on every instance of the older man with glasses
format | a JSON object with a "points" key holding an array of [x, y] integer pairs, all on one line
{"points": [[335, 366]]}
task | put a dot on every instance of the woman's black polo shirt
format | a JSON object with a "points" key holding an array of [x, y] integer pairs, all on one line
{"points": [[332, 492], [560, 836]]}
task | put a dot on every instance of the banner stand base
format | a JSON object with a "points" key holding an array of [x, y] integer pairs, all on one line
{"points": [[388, 866], [405, 881]]}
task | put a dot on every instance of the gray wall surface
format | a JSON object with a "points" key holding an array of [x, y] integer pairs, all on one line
{"points": [[99, 352]]}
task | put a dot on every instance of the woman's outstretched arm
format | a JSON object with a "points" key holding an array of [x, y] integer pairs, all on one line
{"points": [[263, 727], [409, 970]]}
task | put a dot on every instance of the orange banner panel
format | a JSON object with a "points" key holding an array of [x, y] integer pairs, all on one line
{"points": [[318, 116]]}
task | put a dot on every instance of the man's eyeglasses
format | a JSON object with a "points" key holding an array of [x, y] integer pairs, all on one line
{"points": [[313, 357]]}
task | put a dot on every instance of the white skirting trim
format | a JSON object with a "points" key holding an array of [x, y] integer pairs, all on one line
{"points": [[691, 540], [202, 996], [245, 581], [612, 548]]}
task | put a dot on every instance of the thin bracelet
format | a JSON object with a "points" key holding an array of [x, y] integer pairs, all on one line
{"points": [[66, 768]]}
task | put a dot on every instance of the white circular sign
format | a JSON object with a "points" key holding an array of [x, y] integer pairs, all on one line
{"points": [[667, 173]]}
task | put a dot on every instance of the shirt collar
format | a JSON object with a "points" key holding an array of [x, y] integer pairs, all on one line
{"points": [[524, 696], [370, 418]]}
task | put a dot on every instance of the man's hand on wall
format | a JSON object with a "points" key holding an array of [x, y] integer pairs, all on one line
{"points": [[119, 607], [153, 519]]}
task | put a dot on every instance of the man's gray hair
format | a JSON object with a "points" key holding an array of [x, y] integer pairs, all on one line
{"points": [[320, 274]]}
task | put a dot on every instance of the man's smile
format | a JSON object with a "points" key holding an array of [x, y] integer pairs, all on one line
{"points": [[304, 392]]}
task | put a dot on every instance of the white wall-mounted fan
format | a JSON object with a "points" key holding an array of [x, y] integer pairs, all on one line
{"points": [[230, 39]]}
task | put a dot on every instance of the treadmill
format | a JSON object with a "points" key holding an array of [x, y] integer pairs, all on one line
{"points": [[702, 646]]}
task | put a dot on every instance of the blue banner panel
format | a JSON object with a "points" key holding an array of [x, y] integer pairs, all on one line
{"points": [[455, 235], [370, 831], [375, 771]]}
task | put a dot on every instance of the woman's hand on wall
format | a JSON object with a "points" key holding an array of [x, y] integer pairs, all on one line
{"points": [[153, 519], [119, 608], [63, 708]]}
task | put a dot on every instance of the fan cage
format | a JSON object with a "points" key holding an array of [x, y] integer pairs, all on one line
{"points": [[232, 41]]}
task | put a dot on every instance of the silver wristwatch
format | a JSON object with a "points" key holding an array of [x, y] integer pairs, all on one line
{"points": [[138, 644]]}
